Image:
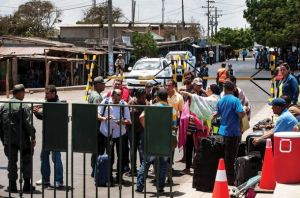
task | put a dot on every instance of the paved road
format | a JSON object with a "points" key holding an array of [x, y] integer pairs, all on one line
{"points": [[182, 184]]}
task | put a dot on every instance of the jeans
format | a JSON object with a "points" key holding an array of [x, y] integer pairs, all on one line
{"points": [[162, 170], [45, 166], [136, 145]]}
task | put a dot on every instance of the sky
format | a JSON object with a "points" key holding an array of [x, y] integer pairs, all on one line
{"points": [[149, 10]]}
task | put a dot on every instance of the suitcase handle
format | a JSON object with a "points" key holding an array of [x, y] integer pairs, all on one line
{"points": [[290, 146]]}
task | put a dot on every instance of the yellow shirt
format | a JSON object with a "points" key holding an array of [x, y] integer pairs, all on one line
{"points": [[176, 101]]}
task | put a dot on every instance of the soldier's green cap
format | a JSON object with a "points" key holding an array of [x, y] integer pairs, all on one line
{"points": [[18, 88], [98, 79]]}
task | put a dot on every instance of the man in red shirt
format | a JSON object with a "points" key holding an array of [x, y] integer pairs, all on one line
{"points": [[125, 91]]}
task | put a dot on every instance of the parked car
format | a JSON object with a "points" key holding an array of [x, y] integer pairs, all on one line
{"points": [[146, 68], [182, 55]]}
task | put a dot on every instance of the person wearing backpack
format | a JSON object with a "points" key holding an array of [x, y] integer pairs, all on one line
{"points": [[125, 96], [113, 128], [96, 98]]}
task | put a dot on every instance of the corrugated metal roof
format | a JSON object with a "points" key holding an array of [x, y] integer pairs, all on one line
{"points": [[51, 58], [36, 41], [78, 50], [21, 50]]}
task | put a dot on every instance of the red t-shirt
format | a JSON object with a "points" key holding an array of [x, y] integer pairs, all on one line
{"points": [[125, 94]]}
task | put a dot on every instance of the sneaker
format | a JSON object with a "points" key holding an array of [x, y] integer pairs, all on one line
{"points": [[57, 185], [139, 190], [161, 191], [129, 174], [40, 182]]}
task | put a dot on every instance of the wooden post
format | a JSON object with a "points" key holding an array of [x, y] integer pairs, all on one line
{"points": [[47, 73], [99, 65], [7, 78], [14, 70], [72, 73], [82, 74]]}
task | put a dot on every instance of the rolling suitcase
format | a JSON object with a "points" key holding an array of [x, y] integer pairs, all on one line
{"points": [[247, 167], [249, 139], [206, 163], [261, 145], [101, 171]]}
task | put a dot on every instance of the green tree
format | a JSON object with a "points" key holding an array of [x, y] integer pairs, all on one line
{"points": [[274, 22], [35, 18], [144, 45], [5, 24], [98, 15], [236, 38]]}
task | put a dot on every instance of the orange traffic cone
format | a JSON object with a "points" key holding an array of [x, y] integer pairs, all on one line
{"points": [[221, 185], [267, 180]]}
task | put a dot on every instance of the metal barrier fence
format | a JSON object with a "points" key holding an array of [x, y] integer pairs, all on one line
{"points": [[78, 133]]}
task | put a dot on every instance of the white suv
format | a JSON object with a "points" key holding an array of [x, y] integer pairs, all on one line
{"points": [[154, 70]]}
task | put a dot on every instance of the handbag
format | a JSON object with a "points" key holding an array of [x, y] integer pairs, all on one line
{"points": [[244, 122]]}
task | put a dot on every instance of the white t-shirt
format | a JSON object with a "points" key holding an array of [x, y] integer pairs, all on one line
{"points": [[115, 114], [211, 54]]}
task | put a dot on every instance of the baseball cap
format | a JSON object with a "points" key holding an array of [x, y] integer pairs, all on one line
{"points": [[18, 88], [197, 81], [278, 102], [98, 79]]}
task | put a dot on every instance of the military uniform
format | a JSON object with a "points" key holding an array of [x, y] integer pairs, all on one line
{"points": [[95, 98], [17, 131]]}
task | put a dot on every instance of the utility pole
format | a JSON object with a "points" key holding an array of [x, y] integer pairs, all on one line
{"points": [[110, 39], [133, 3], [211, 22], [94, 4], [216, 18], [163, 12], [208, 14], [182, 28]]}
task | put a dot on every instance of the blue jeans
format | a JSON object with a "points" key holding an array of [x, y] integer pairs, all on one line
{"points": [[45, 166], [136, 146], [163, 170]]}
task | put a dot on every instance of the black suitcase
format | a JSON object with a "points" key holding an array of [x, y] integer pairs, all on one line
{"points": [[246, 167], [242, 150], [260, 147], [249, 139], [206, 160]]}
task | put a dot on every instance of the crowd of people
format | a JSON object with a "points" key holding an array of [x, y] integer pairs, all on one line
{"points": [[196, 106]]}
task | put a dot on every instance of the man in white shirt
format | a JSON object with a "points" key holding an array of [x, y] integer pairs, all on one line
{"points": [[211, 54], [112, 128]]}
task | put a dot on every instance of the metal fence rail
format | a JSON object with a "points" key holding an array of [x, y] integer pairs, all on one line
{"points": [[74, 130]]}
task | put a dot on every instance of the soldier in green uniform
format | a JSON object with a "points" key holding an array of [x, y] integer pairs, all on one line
{"points": [[99, 86], [18, 136], [96, 98]]}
